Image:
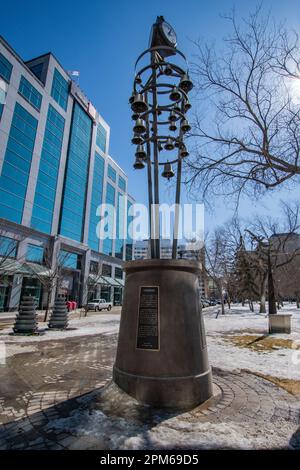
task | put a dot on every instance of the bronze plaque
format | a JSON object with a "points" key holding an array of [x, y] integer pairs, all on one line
{"points": [[148, 319]]}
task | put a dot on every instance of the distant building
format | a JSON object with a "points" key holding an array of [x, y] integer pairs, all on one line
{"points": [[142, 251], [55, 170]]}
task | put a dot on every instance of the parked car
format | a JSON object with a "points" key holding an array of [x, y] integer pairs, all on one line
{"points": [[99, 304], [204, 302]]}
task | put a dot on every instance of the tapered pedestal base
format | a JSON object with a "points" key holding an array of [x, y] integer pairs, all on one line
{"points": [[162, 354]]}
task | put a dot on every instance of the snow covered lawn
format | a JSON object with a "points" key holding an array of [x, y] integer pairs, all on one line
{"points": [[223, 333]]}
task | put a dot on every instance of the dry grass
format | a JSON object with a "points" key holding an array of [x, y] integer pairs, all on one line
{"points": [[290, 385], [261, 342]]}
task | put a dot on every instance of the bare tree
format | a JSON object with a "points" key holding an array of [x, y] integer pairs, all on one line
{"points": [[219, 264], [8, 248], [274, 246], [248, 136], [51, 275], [91, 282]]}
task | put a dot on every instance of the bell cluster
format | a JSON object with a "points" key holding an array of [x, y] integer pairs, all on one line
{"points": [[175, 112]]}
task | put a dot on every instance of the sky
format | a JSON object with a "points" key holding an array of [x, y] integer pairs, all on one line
{"points": [[102, 40]]}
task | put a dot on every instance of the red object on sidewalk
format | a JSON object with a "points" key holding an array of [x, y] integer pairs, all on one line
{"points": [[74, 305], [69, 305]]}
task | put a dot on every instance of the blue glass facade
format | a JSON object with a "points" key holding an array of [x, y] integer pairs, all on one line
{"points": [[30, 93], [8, 247], [5, 68], [17, 163], [120, 236], [110, 199], [111, 173], [122, 183], [96, 200], [44, 200], [74, 196], [101, 137], [60, 90], [69, 260], [35, 254]]}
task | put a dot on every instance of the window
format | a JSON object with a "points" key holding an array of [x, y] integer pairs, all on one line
{"points": [[118, 273], [3, 87], [111, 173], [60, 90], [122, 183], [8, 247], [30, 93], [69, 260], [5, 68], [106, 270], [45, 193], [37, 69], [35, 254], [95, 267], [101, 137], [16, 165], [73, 205], [96, 200]]}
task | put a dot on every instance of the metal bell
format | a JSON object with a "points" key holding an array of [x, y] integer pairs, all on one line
{"points": [[138, 164], [187, 106], [172, 116], [135, 116], [168, 171], [140, 153], [185, 83], [173, 127], [185, 127], [138, 79], [168, 70], [183, 152], [175, 94], [169, 144], [139, 127], [136, 139], [139, 105]]}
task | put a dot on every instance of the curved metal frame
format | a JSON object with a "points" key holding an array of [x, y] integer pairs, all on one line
{"points": [[152, 90]]}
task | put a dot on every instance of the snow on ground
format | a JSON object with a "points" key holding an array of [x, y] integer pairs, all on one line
{"points": [[93, 324], [284, 363], [119, 433]]}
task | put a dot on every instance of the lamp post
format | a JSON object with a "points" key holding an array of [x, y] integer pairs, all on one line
{"points": [[162, 354]]}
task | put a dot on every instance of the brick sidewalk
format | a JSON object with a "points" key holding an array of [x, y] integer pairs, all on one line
{"points": [[42, 388]]}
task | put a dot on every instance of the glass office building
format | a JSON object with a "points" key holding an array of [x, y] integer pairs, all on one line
{"points": [[55, 171]]}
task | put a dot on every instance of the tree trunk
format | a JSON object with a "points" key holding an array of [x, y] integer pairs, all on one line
{"points": [[47, 305], [271, 289], [262, 307]]}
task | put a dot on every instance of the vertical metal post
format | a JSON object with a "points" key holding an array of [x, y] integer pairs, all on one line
{"points": [[177, 197], [150, 194], [155, 157]]}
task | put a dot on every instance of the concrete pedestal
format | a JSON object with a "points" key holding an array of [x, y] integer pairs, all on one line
{"points": [[280, 323], [162, 355], [59, 316]]}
